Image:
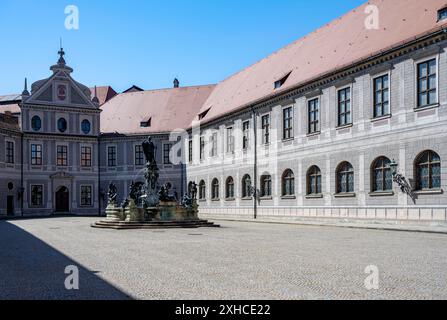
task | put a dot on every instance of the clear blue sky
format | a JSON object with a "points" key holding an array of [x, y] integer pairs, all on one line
{"points": [[150, 42]]}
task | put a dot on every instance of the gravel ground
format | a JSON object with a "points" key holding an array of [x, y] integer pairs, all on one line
{"points": [[238, 261]]}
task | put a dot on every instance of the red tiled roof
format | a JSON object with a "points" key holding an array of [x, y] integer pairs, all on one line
{"points": [[11, 107], [104, 93], [335, 46], [168, 109], [9, 122]]}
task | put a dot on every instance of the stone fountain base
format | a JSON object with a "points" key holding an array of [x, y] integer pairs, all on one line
{"points": [[166, 215]]}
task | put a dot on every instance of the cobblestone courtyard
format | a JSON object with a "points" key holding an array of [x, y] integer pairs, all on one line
{"points": [[237, 261]]}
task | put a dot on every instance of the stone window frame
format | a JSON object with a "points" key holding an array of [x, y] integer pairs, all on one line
{"points": [[288, 133], [266, 182], [430, 164], [202, 190], [191, 150], [214, 141], [316, 130], [351, 105], [416, 64], [288, 180], [215, 189], [7, 149], [374, 77], [246, 125], [140, 154], [246, 187], [81, 195], [266, 133], [338, 171], [314, 171], [167, 153], [108, 147], [82, 146], [41, 158], [384, 170], [42, 186], [67, 157], [229, 188], [230, 140]]}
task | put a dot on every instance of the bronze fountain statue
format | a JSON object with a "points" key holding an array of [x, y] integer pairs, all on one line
{"points": [[148, 206]]}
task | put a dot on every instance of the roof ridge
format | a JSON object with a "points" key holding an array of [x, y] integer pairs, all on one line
{"points": [[291, 44], [168, 89]]}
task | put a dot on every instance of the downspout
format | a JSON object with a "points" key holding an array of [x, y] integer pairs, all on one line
{"points": [[255, 165], [99, 176], [22, 188]]}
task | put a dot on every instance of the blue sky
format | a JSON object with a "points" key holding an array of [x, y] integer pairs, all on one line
{"points": [[150, 42]]}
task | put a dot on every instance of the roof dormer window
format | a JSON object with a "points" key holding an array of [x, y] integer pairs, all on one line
{"points": [[204, 113], [282, 81], [442, 14], [146, 123]]}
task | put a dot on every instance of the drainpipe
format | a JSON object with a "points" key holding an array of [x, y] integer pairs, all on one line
{"points": [[99, 176], [21, 174], [255, 166]]}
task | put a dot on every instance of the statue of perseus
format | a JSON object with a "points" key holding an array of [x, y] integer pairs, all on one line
{"points": [[149, 149]]}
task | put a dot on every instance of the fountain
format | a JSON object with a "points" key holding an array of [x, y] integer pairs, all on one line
{"points": [[146, 207]]}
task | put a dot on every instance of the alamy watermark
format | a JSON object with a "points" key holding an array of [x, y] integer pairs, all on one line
{"points": [[372, 21], [72, 279], [72, 17], [372, 282]]}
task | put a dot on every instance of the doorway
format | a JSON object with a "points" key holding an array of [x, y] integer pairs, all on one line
{"points": [[10, 205], [62, 200]]}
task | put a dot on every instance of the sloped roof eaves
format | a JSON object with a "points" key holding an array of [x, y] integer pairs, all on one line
{"points": [[345, 41], [284, 90], [170, 109]]}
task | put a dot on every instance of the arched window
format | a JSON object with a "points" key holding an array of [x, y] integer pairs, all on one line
{"points": [[314, 181], [288, 183], [381, 176], [428, 171], [215, 189], [266, 186], [229, 187], [202, 190], [246, 186], [345, 178]]}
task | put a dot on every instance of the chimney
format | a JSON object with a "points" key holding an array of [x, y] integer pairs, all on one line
{"points": [[176, 83]]}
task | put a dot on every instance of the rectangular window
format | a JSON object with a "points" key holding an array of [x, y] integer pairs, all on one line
{"points": [[381, 96], [427, 84], [202, 148], [62, 155], [288, 123], [213, 145], [344, 107], [86, 195], [230, 140], [111, 156], [86, 157], [167, 153], [36, 196], [139, 155], [266, 129], [314, 116], [9, 152], [245, 134], [36, 154], [190, 151]]}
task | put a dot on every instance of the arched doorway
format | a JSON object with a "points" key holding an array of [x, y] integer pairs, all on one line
{"points": [[62, 200]]}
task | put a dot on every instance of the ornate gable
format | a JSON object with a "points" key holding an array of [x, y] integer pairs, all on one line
{"points": [[60, 89]]}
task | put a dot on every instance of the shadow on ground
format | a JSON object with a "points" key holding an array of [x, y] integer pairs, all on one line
{"points": [[32, 270]]}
